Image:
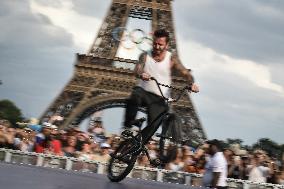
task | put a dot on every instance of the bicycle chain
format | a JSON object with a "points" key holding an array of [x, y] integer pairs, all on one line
{"points": [[171, 87]]}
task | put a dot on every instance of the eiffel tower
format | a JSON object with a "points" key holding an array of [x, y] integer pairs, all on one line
{"points": [[102, 80]]}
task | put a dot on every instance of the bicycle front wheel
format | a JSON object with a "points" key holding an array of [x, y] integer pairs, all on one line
{"points": [[122, 160]]}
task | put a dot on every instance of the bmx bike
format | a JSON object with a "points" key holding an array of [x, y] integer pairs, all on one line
{"points": [[132, 145]]}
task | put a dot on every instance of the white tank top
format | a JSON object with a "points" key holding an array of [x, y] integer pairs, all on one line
{"points": [[159, 70]]}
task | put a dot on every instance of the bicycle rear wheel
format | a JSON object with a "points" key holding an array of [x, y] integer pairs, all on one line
{"points": [[167, 143], [122, 160]]}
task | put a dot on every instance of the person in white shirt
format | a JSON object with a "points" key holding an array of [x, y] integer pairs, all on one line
{"points": [[159, 64], [216, 169], [259, 170]]}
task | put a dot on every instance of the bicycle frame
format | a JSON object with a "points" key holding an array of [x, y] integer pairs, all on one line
{"points": [[163, 116]]}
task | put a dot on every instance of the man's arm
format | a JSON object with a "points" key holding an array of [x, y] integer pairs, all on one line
{"points": [[139, 68], [176, 64]]}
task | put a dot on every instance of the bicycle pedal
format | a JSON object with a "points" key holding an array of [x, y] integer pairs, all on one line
{"points": [[126, 133], [155, 162]]}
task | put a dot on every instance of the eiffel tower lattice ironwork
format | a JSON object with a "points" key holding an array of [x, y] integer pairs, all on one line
{"points": [[101, 80]]}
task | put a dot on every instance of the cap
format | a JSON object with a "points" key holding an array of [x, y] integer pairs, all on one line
{"points": [[53, 127], [46, 124], [105, 145], [215, 142]]}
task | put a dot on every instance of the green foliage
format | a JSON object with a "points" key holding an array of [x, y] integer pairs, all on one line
{"points": [[271, 147], [234, 141], [10, 112]]}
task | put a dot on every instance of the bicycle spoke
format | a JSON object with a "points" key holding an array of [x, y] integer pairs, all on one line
{"points": [[122, 161]]}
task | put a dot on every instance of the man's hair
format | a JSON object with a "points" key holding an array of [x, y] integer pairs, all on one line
{"points": [[162, 33], [216, 143]]}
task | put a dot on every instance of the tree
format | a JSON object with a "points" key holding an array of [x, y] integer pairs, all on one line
{"points": [[9, 111], [271, 147], [234, 141]]}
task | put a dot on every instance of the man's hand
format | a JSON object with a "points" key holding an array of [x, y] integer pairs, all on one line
{"points": [[194, 88], [145, 76]]}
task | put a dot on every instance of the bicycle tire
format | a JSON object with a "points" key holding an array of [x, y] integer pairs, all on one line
{"points": [[121, 154], [165, 150]]}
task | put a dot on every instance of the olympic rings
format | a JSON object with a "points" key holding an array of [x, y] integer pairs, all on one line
{"points": [[136, 38], [119, 31], [147, 45]]}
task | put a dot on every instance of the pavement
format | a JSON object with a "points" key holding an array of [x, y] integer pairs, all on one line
{"points": [[15, 176]]}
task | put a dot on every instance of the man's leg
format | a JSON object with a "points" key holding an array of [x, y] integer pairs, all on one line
{"points": [[132, 104], [155, 107]]}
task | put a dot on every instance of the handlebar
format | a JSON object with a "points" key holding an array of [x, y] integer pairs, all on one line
{"points": [[181, 90]]}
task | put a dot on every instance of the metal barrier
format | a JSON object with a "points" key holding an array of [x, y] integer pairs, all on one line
{"points": [[161, 175]]}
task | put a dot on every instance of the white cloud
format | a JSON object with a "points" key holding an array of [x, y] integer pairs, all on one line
{"points": [[206, 61], [78, 25], [237, 96], [244, 29], [269, 11]]}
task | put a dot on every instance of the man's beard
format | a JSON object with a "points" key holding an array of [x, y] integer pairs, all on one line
{"points": [[159, 51]]}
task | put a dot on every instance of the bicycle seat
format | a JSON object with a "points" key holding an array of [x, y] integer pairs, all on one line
{"points": [[138, 122]]}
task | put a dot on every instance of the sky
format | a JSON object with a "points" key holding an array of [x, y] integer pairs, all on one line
{"points": [[235, 49]]}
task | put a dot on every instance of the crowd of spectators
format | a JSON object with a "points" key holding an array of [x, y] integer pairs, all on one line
{"points": [[72, 142], [96, 145]]}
